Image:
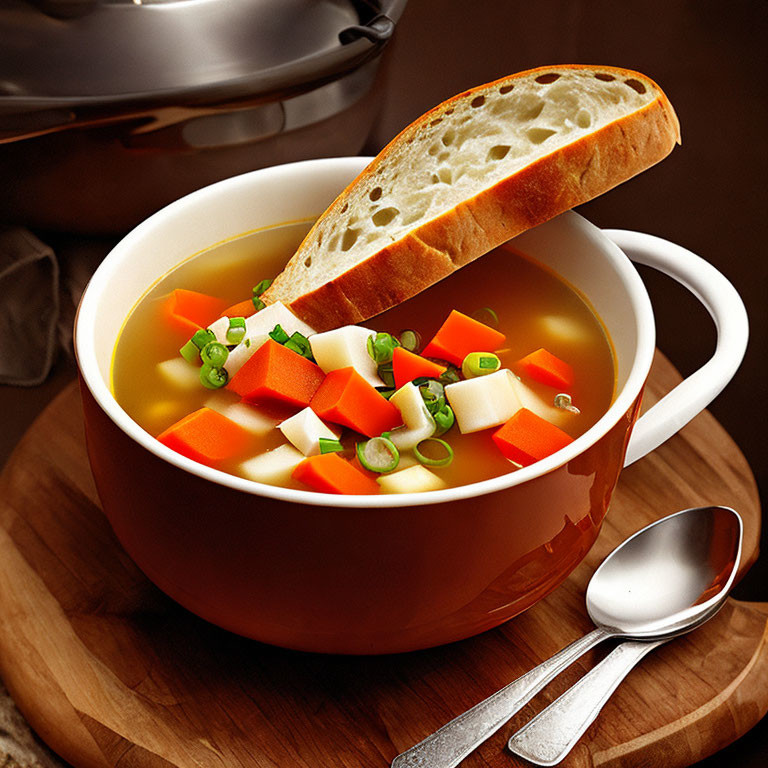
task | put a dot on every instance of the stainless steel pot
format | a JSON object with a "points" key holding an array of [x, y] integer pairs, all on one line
{"points": [[110, 109]]}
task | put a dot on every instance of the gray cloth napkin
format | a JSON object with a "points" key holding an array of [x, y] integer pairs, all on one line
{"points": [[29, 308]]}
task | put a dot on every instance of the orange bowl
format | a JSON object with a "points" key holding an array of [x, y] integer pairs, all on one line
{"points": [[360, 574]]}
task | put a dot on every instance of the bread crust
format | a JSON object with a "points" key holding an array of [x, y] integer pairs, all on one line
{"points": [[541, 190]]}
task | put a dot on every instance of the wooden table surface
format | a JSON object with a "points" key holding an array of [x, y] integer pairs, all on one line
{"points": [[105, 666]]}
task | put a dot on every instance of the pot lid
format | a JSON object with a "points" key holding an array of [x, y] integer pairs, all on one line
{"points": [[99, 52]]}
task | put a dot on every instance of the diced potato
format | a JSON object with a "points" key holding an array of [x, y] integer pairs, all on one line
{"points": [[166, 411], [484, 402], [257, 329], [304, 429], [219, 329], [407, 460], [535, 402], [263, 321], [415, 479], [242, 352], [344, 348], [418, 421], [564, 329], [180, 374], [247, 416], [274, 467]]}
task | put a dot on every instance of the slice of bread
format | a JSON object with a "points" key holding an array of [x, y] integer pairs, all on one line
{"points": [[468, 175]]}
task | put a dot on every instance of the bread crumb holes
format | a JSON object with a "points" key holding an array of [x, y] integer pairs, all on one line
{"points": [[349, 238], [539, 135], [375, 193], [635, 85], [583, 118], [477, 102], [547, 78], [604, 76], [505, 89], [384, 216], [499, 152]]}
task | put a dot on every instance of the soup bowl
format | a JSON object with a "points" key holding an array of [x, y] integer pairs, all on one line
{"points": [[389, 573]]}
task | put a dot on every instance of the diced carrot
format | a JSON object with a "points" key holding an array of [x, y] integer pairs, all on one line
{"points": [[329, 473], [275, 375], [189, 311], [346, 398], [544, 367], [241, 309], [408, 366], [459, 335], [207, 437], [526, 438]]}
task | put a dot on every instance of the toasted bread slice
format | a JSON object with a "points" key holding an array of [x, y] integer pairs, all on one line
{"points": [[468, 175]]}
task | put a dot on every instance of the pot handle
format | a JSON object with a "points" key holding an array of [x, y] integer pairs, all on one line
{"points": [[726, 308]]}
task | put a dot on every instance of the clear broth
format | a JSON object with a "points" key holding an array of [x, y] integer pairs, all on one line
{"points": [[535, 307]]}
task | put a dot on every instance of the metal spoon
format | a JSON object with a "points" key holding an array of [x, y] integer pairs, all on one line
{"points": [[661, 582], [548, 738]]}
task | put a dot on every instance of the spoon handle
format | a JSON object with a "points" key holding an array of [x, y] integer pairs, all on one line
{"points": [[551, 735], [447, 747]]}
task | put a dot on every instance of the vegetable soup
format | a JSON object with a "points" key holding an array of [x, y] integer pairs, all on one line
{"points": [[491, 369]]}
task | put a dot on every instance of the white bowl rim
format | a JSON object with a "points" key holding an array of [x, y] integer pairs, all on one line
{"points": [[89, 369]]}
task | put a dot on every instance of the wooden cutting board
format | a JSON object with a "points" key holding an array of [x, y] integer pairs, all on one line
{"points": [[111, 672]]}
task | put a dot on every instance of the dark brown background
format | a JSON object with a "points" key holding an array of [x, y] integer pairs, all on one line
{"points": [[709, 195]]}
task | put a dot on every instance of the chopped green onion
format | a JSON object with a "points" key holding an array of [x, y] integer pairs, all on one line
{"points": [[410, 340], [480, 364], [236, 330], [214, 353], [387, 374], [381, 346], [444, 419], [450, 375], [212, 377], [192, 349], [261, 287], [486, 316], [432, 393], [564, 401], [442, 461], [386, 392], [378, 454], [296, 342], [278, 334], [247, 343], [190, 352], [257, 291], [203, 337], [300, 344], [330, 445]]}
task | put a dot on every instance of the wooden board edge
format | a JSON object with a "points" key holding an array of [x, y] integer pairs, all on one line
{"points": [[53, 717], [710, 728]]}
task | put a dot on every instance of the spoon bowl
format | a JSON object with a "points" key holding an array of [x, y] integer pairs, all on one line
{"points": [[665, 580], [667, 577]]}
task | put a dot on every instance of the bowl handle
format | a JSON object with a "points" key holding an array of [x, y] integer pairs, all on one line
{"points": [[726, 308]]}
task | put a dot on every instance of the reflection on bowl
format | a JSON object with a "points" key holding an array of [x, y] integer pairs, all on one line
{"points": [[357, 574]]}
